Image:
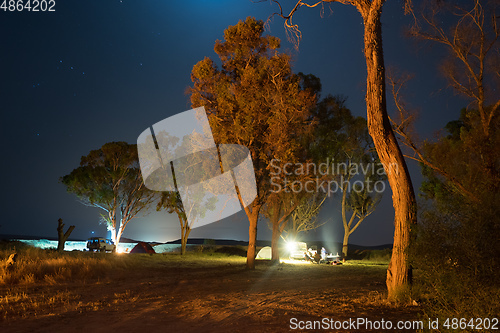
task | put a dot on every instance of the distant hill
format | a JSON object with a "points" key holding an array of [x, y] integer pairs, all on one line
{"points": [[201, 241], [330, 246]]}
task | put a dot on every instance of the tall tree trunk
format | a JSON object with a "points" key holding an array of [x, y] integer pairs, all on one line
{"points": [[184, 237], [119, 233], [183, 246], [275, 255], [185, 230], [403, 197], [344, 245], [344, 221], [252, 236], [252, 239]]}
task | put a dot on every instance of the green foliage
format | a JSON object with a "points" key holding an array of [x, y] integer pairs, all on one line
{"points": [[337, 130], [109, 178], [172, 202], [311, 83], [469, 158], [456, 257], [457, 250], [344, 140], [381, 256], [208, 241], [254, 99], [100, 170]]}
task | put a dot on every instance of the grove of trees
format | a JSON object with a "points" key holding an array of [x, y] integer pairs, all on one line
{"points": [[380, 129], [254, 100], [457, 247], [473, 70]]}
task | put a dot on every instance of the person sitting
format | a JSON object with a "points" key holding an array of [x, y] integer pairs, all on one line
{"points": [[317, 257]]}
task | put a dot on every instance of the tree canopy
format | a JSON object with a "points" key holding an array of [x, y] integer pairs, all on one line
{"points": [[254, 100], [109, 178]]}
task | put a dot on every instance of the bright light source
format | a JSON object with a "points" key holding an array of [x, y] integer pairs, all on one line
{"points": [[295, 262], [121, 249], [291, 246]]}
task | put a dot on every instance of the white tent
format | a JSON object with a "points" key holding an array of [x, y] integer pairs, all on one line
{"points": [[264, 253]]}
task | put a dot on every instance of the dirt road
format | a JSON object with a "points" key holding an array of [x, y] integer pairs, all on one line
{"points": [[219, 297]]}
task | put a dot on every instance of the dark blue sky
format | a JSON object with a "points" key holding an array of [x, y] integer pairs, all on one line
{"points": [[99, 71]]}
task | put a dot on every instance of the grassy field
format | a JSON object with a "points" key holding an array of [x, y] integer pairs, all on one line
{"points": [[48, 291]]}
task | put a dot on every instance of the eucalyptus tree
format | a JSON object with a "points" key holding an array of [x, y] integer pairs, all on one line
{"points": [[109, 178], [254, 100]]}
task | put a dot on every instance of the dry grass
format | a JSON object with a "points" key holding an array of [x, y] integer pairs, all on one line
{"points": [[26, 305], [36, 265], [49, 270], [170, 290]]}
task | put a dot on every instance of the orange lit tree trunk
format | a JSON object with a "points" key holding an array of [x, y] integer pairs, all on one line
{"points": [[253, 217], [278, 212], [403, 197], [275, 253], [185, 230]]}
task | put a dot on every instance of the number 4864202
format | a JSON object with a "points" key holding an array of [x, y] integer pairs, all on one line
{"points": [[28, 5], [474, 324]]}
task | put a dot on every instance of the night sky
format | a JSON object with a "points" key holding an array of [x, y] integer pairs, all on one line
{"points": [[98, 71]]}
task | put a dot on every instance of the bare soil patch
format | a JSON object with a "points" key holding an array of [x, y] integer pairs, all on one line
{"points": [[201, 294]]}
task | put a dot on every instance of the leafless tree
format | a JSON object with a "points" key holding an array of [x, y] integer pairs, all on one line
{"points": [[473, 67], [305, 216]]}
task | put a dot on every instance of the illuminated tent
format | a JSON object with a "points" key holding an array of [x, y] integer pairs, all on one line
{"points": [[142, 247], [264, 253]]}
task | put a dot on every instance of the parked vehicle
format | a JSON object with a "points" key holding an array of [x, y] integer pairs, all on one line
{"points": [[297, 250], [100, 244]]}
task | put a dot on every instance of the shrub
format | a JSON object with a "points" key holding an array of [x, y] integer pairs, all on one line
{"points": [[379, 255], [456, 256]]}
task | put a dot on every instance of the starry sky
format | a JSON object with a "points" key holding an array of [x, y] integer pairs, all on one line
{"points": [[98, 71]]}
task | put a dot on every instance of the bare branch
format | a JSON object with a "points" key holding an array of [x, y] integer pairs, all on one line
{"points": [[401, 127], [294, 35], [472, 41]]}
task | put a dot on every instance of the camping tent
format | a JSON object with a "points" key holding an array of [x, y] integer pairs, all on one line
{"points": [[264, 253], [142, 247]]}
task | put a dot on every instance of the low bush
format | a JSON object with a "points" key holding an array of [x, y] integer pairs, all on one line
{"points": [[378, 255], [456, 256]]}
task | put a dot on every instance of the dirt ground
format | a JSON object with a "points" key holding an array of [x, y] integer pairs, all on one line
{"points": [[220, 296]]}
